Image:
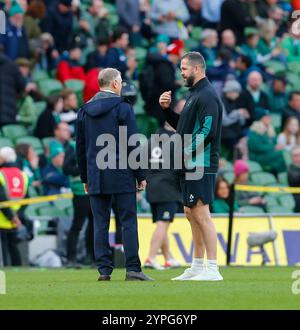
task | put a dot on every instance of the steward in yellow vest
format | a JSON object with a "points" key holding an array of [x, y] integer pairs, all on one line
{"points": [[13, 186]]}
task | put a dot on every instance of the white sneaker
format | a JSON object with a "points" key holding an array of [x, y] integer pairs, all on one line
{"points": [[210, 274], [153, 265], [172, 263], [188, 274]]}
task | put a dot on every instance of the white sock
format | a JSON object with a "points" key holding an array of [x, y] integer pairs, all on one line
{"points": [[197, 263], [212, 263]]}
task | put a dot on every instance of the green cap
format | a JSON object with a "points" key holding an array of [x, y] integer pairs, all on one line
{"points": [[162, 38], [249, 30], [55, 148], [15, 9], [260, 113]]}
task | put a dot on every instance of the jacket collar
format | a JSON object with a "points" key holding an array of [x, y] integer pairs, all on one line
{"points": [[200, 84]]}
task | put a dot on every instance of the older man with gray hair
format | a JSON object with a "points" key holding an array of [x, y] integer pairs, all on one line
{"points": [[100, 171]]}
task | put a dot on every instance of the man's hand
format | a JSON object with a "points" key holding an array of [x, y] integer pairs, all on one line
{"points": [[256, 200], [165, 100], [86, 188], [244, 112], [30, 87], [142, 185], [16, 221]]}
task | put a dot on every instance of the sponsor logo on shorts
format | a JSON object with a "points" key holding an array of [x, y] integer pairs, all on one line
{"points": [[192, 197], [166, 215]]}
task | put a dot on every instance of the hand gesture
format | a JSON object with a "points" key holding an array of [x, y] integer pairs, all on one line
{"points": [[165, 100]]}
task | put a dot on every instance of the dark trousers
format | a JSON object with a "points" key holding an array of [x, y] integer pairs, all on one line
{"points": [[82, 212], [10, 248], [126, 206], [118, 234]]}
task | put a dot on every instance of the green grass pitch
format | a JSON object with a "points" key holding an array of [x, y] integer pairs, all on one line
{"points": [[243, 288]]}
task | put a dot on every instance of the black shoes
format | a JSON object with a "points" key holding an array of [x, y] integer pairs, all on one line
{"points": [[137, 276], [104, 278], [130, 276]]}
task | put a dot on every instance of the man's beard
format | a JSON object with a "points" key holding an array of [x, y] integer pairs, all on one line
{"points": [[190, 81]]}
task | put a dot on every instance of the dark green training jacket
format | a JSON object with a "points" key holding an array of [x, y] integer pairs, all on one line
{"points": [[201, 116]]}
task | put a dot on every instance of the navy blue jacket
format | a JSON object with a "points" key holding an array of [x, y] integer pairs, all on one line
{"points": [[53, 180], [103, 115], [15, 42]]}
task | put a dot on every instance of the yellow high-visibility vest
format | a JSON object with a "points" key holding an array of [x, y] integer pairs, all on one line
{"points": [[15, 183]]}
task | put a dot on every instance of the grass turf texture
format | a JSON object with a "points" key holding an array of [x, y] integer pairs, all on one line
{"points": [[243, 288]]}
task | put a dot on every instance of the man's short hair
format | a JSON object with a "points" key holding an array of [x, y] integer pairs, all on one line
{"points": [[107, 76], [66, 92], [118, 32], [292, 94], [246, 60], [295, 150], [207, 33], [195, 58]]}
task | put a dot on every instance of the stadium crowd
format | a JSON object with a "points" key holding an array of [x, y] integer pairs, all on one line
{"points": [[52, 52]]}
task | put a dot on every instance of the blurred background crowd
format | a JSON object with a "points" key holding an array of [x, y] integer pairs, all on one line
{"points": [[52, 52]]}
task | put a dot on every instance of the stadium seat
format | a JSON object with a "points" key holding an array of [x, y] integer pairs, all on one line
{"points": [[46, 141], [39, 75], [294, 67], [40, 107], [279, 209], [190, 44], [50, 211], [14, 131], [271, 200], [69, 212], [228, 167], [287, 200], [140, 54], [108, 6], [33, 141], [251, 209], [31, 210], [196, 33], [229, 176], [77, 86], [254, 166], [276, 121], [50, 86], [283, 178], [293, 79], [63, 204], [276, 66], [32, 192], [263, 178], [5, 142], [113, 20]]}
